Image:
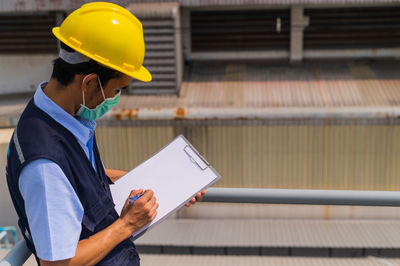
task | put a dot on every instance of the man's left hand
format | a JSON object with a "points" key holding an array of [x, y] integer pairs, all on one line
{"points": [[199, 197]]}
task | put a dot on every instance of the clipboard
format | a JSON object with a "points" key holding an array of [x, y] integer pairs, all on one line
{"points": [[176, 174]]}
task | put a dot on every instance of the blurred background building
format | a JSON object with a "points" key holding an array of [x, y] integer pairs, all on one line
{"points": [[274, 93]]}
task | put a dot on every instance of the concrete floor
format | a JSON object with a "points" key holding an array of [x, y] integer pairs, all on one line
{"points": [[191, 260]]}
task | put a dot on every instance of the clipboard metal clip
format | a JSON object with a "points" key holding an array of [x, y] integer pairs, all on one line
{"points": [[196, 158]]}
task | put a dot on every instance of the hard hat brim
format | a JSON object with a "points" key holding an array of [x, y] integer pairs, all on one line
{"points": [[142, 74]]}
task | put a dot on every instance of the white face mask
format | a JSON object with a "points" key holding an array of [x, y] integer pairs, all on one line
{"points": [[101, 109]]}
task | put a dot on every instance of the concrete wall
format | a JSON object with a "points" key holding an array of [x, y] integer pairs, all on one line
{"points": [[276, 156], [320, 157], [22, 73]]}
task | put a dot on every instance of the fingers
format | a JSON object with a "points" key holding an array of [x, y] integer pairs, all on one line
{"points": [[132, 194], [153, 211], [148, 194], [136, 192], [142, 211], [154, 214], [148, 202], [150, 209], [198, 197], [191, 202], [151, 202]]}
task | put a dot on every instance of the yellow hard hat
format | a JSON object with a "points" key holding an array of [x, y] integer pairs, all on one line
{"points": [[108, 34]]}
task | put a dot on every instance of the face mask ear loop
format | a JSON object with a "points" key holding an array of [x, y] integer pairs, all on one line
{"points": [[83, 98], [83, 93], [101, 87]]}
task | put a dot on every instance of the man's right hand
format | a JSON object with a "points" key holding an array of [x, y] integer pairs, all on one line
{"points": [[133, 217], [141, 212]]}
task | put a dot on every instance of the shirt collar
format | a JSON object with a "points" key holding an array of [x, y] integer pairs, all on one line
{"points": [[81, 128]]}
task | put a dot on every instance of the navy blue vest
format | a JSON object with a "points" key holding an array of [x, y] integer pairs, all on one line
{"points": [[38, 136]]}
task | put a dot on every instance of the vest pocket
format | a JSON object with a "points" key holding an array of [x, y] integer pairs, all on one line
{"points": [[97, 212]]}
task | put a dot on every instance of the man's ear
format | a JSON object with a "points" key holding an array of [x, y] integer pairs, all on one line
{"points": [[87, 81]]}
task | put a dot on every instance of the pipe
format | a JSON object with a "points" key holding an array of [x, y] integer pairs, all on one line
{"points": [[253, 113], [17, 255], [303, 196]]}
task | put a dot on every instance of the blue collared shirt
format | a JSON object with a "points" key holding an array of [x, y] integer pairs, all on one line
{"points": [[53, 209]]}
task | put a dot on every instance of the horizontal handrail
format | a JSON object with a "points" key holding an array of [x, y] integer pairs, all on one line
{"points": [[20, 253], [17, 255], [303, 196]]}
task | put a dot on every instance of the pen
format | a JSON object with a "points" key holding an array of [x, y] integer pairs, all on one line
{"points": [[135, 198]]}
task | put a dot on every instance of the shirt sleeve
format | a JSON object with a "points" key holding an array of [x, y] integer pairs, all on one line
{"points": [[53, 209]]}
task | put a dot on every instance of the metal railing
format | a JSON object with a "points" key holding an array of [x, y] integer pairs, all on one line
{"points": [[303, 196], [17, 255], [20, 253]]}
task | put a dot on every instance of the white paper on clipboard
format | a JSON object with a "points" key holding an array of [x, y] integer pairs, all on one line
{"points": [[175, 174]]}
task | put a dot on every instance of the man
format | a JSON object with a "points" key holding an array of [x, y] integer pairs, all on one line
{"points": [[55, 175]]}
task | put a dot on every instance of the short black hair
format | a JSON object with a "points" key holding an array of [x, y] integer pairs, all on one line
{"points": [[64, 72]]}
